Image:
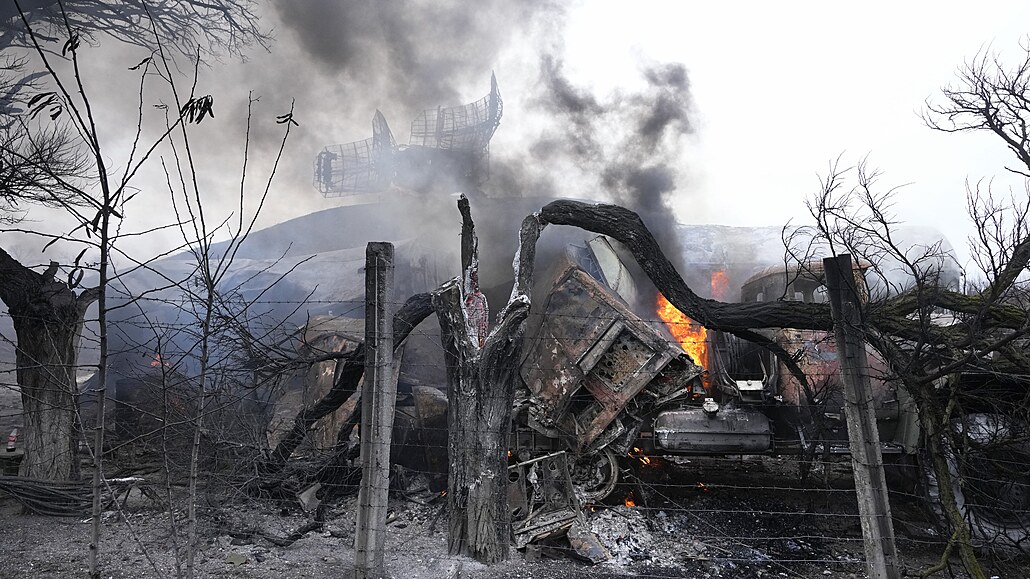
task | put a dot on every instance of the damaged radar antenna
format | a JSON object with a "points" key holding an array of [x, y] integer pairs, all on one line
{"points": [[449, 149]]}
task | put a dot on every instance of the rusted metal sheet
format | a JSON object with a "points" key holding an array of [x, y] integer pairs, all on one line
{"points": [[819, 361]]}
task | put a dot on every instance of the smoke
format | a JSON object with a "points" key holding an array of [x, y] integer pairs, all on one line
{"points": [[402, 57], [631, 142], [343, 60], [418, 54]]}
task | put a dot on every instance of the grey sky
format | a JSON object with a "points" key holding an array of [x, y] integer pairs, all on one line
{"points": [[772, 92]]}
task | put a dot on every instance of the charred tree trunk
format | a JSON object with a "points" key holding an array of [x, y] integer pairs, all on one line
{"points": [[481, 380], [345, 385], [48, 318], [933, 421]]}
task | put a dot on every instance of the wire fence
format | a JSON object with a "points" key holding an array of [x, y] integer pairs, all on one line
{"points": [[790, 511]]}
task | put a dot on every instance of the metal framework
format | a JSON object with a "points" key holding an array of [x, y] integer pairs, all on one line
{"points": [[466, 128], [358, 167], [449, 148]]}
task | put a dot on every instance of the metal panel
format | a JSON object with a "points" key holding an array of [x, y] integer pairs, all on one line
{"points": [[728, 431]]}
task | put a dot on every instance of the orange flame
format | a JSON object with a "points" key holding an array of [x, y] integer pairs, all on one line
{"points": [[639, 455], [691, 335], [628, 501], [720, 285]]}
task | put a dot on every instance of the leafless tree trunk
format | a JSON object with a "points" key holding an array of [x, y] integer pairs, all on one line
{"points": [[48, 318], [481, 380]]}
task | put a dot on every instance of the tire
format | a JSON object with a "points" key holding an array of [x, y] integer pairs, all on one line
{"points": [[992, 484], [595, 476]]}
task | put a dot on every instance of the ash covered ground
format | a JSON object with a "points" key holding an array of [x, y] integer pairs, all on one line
{"points": [[727, 517]]}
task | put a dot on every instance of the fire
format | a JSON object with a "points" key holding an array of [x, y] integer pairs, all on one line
{"points": [[639, 455], [691, 335], [628, 501], [720, 285]]}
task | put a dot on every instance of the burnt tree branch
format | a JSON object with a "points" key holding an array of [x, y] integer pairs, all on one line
{"points": [[888, 317], [626, 227], [739, 319]]}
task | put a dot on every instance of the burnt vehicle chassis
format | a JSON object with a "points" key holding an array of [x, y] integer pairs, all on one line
{"points": [[602, 384]]}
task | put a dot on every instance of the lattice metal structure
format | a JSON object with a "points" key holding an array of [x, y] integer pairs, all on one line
{"points": [[358, 167], [449, 149], [466, 128]]}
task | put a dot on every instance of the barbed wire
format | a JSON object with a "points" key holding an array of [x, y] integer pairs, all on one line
{"points": [[839, 508]]}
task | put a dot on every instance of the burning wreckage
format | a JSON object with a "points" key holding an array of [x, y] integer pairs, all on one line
{"points": [[603, 382], [602, 377]]}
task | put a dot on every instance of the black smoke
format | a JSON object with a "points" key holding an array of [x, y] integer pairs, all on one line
{"points": [[419, 54], [631, 142], [402, 57]]}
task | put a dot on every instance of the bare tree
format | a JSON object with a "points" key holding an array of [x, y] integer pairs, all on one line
{"points": [[35, 166], [186, 26], [988, 95], [204, 288], [946, 349], [56, 164], [68, 168]]}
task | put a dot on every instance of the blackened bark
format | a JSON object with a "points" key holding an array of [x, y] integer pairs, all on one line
{"points": [[481, 386], [887, 316], [469, 243], [48, 319], [480, 393]]}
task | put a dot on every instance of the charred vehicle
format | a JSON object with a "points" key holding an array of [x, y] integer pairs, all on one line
{"points": [[604, 382]]}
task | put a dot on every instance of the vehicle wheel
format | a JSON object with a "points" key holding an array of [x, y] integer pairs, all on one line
{"points": [[992, 484], [595, 476]]}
